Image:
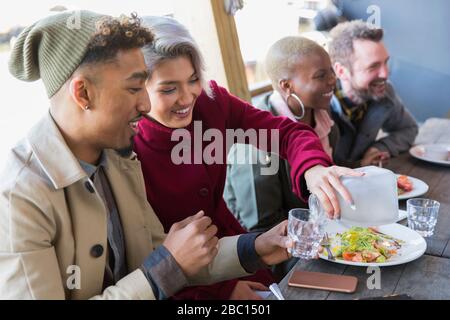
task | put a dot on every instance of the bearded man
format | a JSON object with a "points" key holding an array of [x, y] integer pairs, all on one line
{"points": [[364, 101]]}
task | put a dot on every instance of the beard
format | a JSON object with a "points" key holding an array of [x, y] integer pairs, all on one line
{"points": [[126, 151], [362, 95]]}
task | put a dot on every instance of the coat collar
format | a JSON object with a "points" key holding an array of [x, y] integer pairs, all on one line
{"points": [[53, 154], [90, 169], [57, 160]]}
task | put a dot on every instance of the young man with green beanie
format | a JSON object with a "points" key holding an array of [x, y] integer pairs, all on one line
{"points": [[74, 219]]}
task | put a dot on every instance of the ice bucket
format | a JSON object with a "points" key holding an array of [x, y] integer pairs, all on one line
{"points": [[374, 196]]}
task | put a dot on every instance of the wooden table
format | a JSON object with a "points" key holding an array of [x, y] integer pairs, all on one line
{"points": [[425, 278]]}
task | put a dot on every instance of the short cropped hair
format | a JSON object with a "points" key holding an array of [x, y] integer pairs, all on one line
{"points": [[284, 56], [343, 35]]}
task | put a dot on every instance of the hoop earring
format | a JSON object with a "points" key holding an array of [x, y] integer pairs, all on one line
{"points": [[302, 106], [86, 107]]}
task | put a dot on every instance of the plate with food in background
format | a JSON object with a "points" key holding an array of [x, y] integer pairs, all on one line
{"points": [[410, 187], [434, 153]]}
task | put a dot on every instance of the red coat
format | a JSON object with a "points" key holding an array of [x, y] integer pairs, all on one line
{"points": [[178, 191]]}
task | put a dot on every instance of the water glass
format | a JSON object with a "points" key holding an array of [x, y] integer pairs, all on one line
{"points": [[422, 215], [306, 229]]}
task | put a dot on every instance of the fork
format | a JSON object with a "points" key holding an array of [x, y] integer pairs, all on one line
{"points": [[276, 291], [326, 244], [396, 243]]}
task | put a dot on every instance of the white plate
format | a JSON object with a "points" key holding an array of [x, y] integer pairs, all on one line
{"points": [[413, 248], [419, 188], [402, 214], [419, 153]]}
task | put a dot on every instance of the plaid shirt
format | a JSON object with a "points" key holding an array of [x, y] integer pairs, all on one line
{"points": [[354, 112]]}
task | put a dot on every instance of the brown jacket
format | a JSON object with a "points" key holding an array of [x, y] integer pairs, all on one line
{"points": [[50, 222]]}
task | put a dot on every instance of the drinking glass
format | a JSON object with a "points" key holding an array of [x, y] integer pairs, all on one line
{"points": [[422, 215]]}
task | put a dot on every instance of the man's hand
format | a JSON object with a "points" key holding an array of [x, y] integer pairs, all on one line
{"points": [[245, 290], [192, 242], [271, 246], [375, 157], [323, 182]]}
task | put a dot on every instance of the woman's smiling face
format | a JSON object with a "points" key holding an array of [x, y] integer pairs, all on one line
{"points": [[173, 87], [314, 80]]}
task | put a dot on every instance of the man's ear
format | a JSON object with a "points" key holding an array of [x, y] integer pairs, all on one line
{"points": [[80, 88], [342, 72]]}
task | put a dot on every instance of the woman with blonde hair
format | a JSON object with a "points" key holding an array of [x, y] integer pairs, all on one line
{"points": [[303, 80]]}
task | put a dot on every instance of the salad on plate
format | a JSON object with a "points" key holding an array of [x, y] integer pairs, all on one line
{"points": [[364, 245]]}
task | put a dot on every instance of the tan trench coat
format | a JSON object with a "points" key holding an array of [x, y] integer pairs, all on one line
{"points": [[50, 221]]}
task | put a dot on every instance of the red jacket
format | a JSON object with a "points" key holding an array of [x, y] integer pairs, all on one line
{"points": [[178, 191]]}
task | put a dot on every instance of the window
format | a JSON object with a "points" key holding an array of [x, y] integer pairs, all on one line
{"points": [[259, 24], [262, 22]]}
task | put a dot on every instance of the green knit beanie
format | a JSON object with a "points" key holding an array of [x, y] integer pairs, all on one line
{"points": [[53, 48]]}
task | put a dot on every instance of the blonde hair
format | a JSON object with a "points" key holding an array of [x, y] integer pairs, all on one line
{"points": [[284, 56], [173, 40]]}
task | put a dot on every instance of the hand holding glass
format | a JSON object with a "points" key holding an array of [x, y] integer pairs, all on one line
{"points": [[306, 227]]}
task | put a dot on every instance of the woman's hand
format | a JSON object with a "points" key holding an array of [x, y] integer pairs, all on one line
{"points": [[323, 182]]}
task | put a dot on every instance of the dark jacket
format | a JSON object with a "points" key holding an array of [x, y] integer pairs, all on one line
{"points": [[388, 114]]}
